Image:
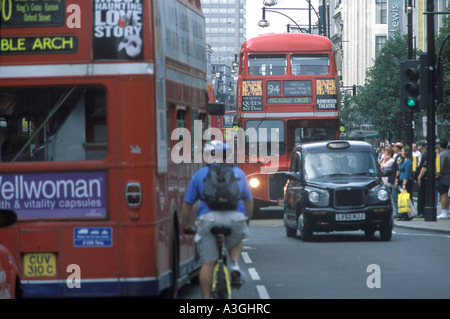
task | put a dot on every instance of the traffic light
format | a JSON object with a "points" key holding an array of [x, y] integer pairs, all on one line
{"points": [[410, 86]]}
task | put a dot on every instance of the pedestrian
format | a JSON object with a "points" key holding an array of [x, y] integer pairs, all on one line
{"points": [[405, 178], [421, 182], [416, 153], [387, 162], [393, 179], [443, 178], [421, 148], [206, 218]]}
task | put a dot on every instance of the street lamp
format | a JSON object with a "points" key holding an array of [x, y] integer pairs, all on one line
{"points": [[269, 3], [263, 23], [235, 63]]}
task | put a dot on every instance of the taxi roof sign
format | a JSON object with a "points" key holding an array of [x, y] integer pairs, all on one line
{"points": [[338, 145]]}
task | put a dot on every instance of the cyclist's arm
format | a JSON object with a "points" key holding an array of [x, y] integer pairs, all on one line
{"points": [[186, 214]]}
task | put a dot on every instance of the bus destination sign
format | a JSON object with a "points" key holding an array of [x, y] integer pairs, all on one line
{"points": [[290, 100], [42, 44], [30, 13]]}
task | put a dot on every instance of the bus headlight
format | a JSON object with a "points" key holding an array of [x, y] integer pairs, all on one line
{"points": [[253, 182]]}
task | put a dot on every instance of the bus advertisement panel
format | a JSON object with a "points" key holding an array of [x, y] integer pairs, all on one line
{"points": [[288, 92], [89, 94]]}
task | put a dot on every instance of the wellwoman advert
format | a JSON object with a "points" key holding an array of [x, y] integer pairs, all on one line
{"points": [[118, 32]]}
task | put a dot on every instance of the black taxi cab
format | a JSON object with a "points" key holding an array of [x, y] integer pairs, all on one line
{"points": [[336, 186]]}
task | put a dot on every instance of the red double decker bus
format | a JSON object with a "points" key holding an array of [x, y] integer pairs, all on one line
{"points": [[288, 93], [90, 92]]}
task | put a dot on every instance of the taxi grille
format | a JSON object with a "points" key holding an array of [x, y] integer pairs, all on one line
{"points": [[348, 197], [276, 186]]}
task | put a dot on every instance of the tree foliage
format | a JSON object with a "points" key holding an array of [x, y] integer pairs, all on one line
{"points": [[443, 108], [378, 101]]}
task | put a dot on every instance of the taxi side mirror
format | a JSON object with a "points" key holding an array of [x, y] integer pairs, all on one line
{"points": [[387, 172], [292, 175]]}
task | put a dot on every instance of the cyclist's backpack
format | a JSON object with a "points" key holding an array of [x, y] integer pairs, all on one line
{"points": [[220, 189]]}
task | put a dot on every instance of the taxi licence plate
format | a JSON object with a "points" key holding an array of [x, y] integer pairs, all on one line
{"points": [[39, 265], [351, 216]]}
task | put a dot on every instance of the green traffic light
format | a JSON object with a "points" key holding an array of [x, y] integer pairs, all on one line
{"points": [[411, 102]]}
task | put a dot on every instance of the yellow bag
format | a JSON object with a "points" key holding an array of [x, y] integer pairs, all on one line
{"points": [[403, 202]]}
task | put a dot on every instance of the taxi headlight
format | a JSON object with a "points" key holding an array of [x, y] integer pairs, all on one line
{"points": [[383, 194], [253, 182], [314, 197]]}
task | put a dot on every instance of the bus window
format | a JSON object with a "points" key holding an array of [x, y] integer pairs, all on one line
{"points": [[267, 64], [53, 124], [313, 134], [258, 133], [310, 64]]}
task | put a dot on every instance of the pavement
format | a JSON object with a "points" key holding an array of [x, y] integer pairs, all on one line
{"points": [[440, 225]]}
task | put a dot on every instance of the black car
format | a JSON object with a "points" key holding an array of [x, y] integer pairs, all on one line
{"points": [[336, 186]]}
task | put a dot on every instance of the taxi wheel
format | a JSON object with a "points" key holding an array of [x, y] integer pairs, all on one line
{"points": [[385, 232], [305, 232], [291, 232]]}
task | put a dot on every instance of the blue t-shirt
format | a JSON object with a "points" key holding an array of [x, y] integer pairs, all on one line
{"points": [[406, 170], [195, 190]]}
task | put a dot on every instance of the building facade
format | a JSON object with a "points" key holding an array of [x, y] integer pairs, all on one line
{"points": [[225, 33], [359, 29]]}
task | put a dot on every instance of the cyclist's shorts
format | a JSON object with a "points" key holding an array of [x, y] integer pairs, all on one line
{"points": [[206, 242]]}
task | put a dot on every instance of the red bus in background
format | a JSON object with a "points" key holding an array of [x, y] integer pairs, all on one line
{"points": [[287, 86], [90, 92]]}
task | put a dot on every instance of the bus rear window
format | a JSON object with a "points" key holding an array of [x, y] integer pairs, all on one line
{"points": [[267, 64], [310, 64], [53, 124]]}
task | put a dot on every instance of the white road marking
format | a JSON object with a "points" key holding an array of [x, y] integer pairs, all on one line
{"points": [[246, 258], [254, 274], [262, 292]]}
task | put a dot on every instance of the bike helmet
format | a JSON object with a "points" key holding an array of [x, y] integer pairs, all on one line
{"points": [[216, 151]]}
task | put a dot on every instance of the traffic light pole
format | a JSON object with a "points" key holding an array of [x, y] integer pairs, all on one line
{"points": [[430, 195], [409, 115]]}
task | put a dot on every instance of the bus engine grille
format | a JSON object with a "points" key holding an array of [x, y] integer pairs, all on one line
{"points": [[277, 182]]}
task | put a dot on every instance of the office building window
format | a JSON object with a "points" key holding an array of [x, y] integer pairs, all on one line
{"points": [[379, 43], [381, 11]]}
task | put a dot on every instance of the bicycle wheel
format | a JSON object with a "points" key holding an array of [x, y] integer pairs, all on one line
{"points": [[221, 282]]}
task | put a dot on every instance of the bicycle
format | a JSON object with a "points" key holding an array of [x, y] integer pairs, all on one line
{"points": [[221, 288]]}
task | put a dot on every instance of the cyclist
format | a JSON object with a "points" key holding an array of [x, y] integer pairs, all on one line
{"points": [[206, 218]]}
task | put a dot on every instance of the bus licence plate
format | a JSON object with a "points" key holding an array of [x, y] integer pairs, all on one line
{"points": [[351, 216], [39, 265]]}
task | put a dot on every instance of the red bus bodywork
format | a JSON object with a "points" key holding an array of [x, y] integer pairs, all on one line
{"points": [[277, 91], [98, 212]]}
